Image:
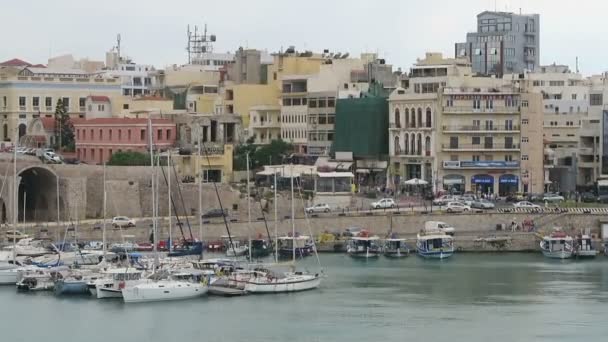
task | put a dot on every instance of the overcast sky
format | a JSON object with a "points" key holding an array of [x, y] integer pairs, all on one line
{"points": [[154, 31]]}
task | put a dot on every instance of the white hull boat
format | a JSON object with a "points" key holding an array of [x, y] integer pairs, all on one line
{"points": [[8, 276], [558, 245], [263, 282], [237, 251], [434, 244], [163, 290]]}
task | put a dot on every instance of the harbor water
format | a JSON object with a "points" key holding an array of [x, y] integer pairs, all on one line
{"points": [[470, 297]]}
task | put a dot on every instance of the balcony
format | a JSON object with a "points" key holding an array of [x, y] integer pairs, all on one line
{"points": [[587, 164], [586, 151], [483, 110], [481, 129], [265, 124], [49, 109], [480, 147], [480, 164], [22, 108]]}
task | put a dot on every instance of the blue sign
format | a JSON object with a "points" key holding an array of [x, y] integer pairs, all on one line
{"points": [[508, 179], [482, 179], [489, 164]]}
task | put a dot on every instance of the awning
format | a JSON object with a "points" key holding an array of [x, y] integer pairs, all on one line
{"points": [[335, 175], [453, 179], [482, 179], [508, 179]]}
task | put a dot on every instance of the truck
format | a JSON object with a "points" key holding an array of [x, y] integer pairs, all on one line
{"points": [[438, 225], [602, 190]]}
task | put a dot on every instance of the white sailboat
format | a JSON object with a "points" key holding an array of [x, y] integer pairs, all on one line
{"points": [[266, 281], [173, 288], [9, 273], [117, 280]]}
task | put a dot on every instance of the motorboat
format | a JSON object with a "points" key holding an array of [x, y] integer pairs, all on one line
{"points": [[74, 284], [29, 247], [234, 248], [363, 245], [434, 244], [125, 247], [187, 248], [267, 281], [302, 245], [557, 245], [177, 286], [260, 248], [115, 281], [8, 273], [584, 248], [40, 279], [395, 248]]}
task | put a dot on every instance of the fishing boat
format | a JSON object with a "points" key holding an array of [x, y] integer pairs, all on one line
{"points": [[177, 286], [364, 246], [557, 245], [260, 248], [300, 243], [116, 279], [234, 248], [187, 248], [434, 244], [584, 248], [395, 248], [40, 279]]}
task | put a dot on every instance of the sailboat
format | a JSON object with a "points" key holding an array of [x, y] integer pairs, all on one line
{"points": [[9, 271], [162, 287], [264, 280]]}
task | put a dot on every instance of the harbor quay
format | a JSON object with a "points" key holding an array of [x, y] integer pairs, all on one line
{"points": [[476, 232]]}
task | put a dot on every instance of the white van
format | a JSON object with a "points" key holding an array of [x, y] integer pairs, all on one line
{"points": [[437, 225]]}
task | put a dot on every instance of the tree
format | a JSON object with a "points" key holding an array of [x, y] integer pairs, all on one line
{"points": [[131, 158], [64, 129], [260, 155]]}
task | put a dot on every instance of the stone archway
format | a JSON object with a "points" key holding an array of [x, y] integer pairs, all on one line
{"points": [[37, 194]]}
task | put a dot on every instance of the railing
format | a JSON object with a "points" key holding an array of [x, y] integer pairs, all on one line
{"points": [[471, 128], [586, 150], [22, 108], [480, 147], [483, 109]]}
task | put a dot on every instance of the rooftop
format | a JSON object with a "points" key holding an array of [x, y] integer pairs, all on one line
{"points": [[15, 62], [121, 121]]}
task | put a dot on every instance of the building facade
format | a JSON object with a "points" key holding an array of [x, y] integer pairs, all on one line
{"points": [[504, 43], [98, 139], [265, 123]]}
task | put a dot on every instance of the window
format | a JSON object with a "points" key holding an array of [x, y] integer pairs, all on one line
{"points": [[493, 51], [36, 101], [331, 119], [125, 106], [476, 104], [159, 135], [322, 103], [312, 103], [596, 99], [286, 102], [524, 103], [488, 142], [81, 102], [524, 121], [524, 139], [489, 125], [331, 102], [48, 102], [453, 142], [574, 96], [508, 158], [168, 135], [489, 104], [476, 140], [142, 135], [101, 108], [128, 134], [22, 102], [508, 125], [296, 102], [110, 134], [476, 123], [66, 103], [478, 52], [476, 158], [509, 142], [449, 103], [100, 134], [524, 157]]}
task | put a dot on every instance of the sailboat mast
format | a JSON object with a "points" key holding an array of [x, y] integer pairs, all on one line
{"points": [[276, 224], [153, 180], [293, 222], [16, 197], [105, 199], [200, 191], [169, 201], [248, 208]]}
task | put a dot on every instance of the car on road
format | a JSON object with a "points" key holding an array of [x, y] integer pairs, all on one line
{"points": [[443, 200], [318, 208], [51, 158], [588, 197], [122, 222], [526, 205], [15, 235], [466, 199], [215, 213], [482, 204], [457, 207], [384, 203], [551, 197]]}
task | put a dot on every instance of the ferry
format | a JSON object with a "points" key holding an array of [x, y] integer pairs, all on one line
{"points": [[558, 245], [364, 246], [434, 244]]}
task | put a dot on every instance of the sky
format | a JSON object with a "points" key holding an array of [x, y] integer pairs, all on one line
{"points": [[154, 31]]}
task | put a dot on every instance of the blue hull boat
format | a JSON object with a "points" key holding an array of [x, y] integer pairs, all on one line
{"points": [[71, 287]]}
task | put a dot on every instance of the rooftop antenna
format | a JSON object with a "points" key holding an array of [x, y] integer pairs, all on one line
{"points": [[577, 64], [199, 44], [118, 46]]}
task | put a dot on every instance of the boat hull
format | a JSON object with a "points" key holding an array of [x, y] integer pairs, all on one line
{"points": [[363, 255], [396, 254], [8, 277], [302, 284], [586, 254], [557, 254], [108, 292], [162, 291], [71, 288], [435, 254]]}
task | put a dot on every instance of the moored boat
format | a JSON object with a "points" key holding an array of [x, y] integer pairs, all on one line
{"points": [[178, 286], [267, 281], [558, 245], [364, 246], [395, 248], [434, 244], [300, 243], [584, 248], [117, 279]]}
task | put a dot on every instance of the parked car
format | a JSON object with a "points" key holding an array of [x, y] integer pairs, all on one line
{"points": [[318, 208], [588, 197], [51, 157], [21, 150], [467, 199], [602, 198], [535, 197], [551, 197], [15, 235], [457, 207], [352, 231], [384, 204], [444, 227], [526, 205], [482, 204], [215, 213], [122, 222], [443, 200]]}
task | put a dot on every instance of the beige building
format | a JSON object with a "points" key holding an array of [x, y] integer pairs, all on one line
{"points": [[265, 123], [32, 92]]}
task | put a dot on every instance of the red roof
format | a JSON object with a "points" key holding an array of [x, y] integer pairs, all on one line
{"points": [[15, 62], [120, 121], [48, 123], [38, 66], [97, 98], [152, 98]]}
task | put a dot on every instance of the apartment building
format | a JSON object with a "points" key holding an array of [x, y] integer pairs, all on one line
{"points": [[503, 43], [27, 93], [265, 123], [294, 111], [490, 139], [413, 116]]}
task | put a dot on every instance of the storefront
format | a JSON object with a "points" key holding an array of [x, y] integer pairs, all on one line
{"points": [[482, 184], [508, 184], [454, 184]]}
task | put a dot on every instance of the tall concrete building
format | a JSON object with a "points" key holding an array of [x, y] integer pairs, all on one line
{"points": [[504, 43]]}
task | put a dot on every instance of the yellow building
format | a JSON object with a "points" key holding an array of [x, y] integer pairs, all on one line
{"points": [[241, 98], [32, 92], [132, 107], [213, 165]]}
